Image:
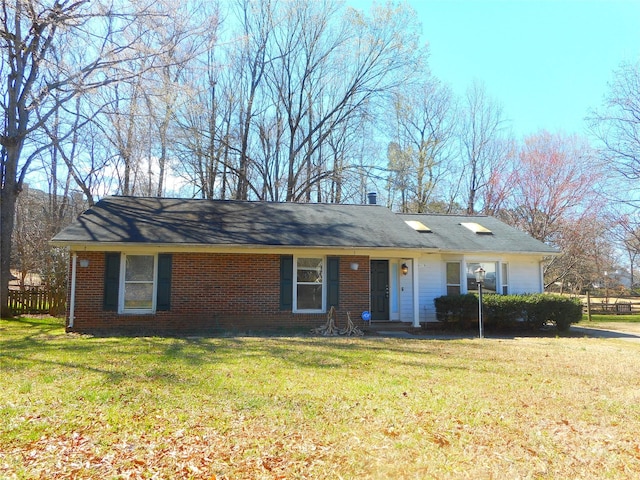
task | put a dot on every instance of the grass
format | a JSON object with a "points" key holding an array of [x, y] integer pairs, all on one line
{"points": [[308, 407]]}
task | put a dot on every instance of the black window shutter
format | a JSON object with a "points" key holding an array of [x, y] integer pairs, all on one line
{"points": [[333, 281], [111, 281], [286, 282], [163, 299]]}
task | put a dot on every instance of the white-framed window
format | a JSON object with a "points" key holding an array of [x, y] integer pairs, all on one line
{"points": [[138, 283], [309, 284], [504, 278], [453, 278], [490, 276]]}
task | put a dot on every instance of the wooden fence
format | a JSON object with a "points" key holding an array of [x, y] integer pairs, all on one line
{"points": [[37, 300], [618, 308], [615, 308]]}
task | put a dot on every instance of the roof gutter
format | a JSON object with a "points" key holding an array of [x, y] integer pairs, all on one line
{"points": [[204, 247], [501, 252]]}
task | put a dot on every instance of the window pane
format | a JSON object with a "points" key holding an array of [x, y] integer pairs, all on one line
{"points": [[505, 279], [309, 297], [453, 273], [490, 281], [309, 270], [139, 268], [138, 295], [309, 276], [311, 263], [453, 290], [489, 277]]}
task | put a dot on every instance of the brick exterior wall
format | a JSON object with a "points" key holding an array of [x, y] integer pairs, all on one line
{"points": [[214, 293]]}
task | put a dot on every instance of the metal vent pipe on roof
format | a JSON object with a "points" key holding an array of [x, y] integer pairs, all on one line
{"points": [[373, 198]]}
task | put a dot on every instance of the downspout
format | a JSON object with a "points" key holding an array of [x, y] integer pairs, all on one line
{"points": [[72, 299], [416, 293]]}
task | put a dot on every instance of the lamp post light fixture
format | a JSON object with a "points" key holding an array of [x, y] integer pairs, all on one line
{"points": [[480, 273]]}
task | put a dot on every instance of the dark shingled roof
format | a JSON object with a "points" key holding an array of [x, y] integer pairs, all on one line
{"points": [[225, 222], [448, 234], [163, 221]]}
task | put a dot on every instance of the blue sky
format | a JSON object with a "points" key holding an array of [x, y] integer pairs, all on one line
{"points": [[547, 62]]}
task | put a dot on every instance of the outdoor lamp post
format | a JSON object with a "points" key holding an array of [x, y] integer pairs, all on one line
{"points": [[480, 280]]}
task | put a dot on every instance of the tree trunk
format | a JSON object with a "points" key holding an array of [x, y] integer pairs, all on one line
{"points": [[8, 196]]}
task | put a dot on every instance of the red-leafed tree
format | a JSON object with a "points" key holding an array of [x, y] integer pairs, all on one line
{"points": [[555, 179], [554, 195], [498, 189]]}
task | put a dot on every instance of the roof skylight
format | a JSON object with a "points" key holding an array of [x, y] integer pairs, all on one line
{"points": [[477, 228], [418, 226]]}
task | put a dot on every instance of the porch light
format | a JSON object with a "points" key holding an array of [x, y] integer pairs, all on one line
{"points": [[84, 262], [354, 265], [404, 269], [480, 273]]}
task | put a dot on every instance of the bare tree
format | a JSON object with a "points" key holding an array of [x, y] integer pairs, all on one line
{"points": [[337, 84], [38, 81], [252, 59], [585, 252], [624, 229], [39, 215], [422, 153], [204, 128], [217, 122], [401, 170], [617, 124], [343, 154], [483, 140], [287, 91]]}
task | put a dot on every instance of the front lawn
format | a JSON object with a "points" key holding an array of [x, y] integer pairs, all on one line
{"points": [[308, 407]]}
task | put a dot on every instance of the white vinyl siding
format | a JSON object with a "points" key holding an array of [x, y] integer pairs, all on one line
{"points": [[524, 275]]}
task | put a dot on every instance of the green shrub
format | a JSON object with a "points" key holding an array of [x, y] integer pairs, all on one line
{"points": [[505, 312], [509, 312], [566, 312], [457, 311]]}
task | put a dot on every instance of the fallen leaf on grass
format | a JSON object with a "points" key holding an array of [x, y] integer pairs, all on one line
{"points": [[440, 440]]}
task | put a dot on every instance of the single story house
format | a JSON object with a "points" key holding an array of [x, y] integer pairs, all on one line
{"points": [[169, 265]]}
